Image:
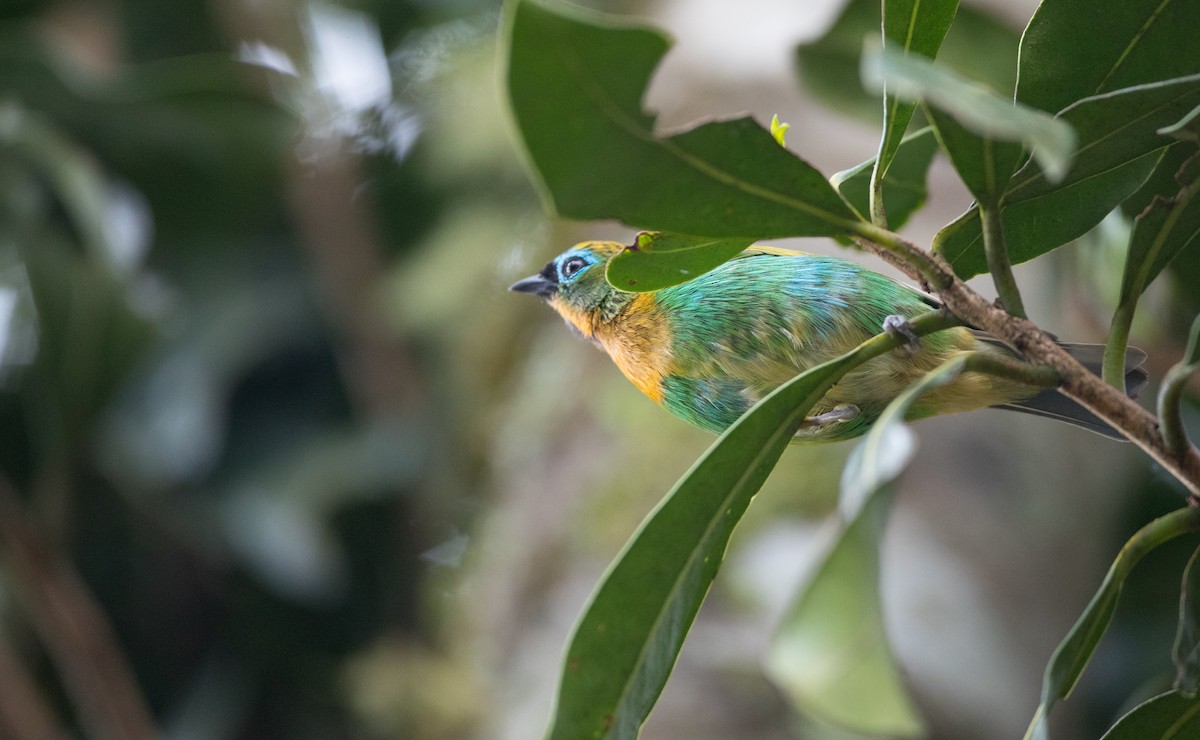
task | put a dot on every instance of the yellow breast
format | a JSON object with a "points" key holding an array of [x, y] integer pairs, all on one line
{"points": [[637, 340]]}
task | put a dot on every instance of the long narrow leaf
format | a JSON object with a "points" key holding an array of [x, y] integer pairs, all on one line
{"points": [[625, 645], [1075, 651], [914, 27], [831, 654]]}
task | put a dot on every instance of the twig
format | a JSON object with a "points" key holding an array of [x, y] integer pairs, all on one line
{"points": [[75, 632], [1171, 393], [997, 259], [1114, 407]]}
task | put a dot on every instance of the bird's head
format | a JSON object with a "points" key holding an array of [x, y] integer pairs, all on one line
{"points": [[573, 284]]}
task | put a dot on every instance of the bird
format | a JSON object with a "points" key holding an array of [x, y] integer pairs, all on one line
{"points": [[708, 349]]}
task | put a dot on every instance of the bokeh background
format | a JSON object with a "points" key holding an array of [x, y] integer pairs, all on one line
{"points": [[271, 426]]}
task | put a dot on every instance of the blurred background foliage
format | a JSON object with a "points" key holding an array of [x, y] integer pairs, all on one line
{"points": [[265, 403]]}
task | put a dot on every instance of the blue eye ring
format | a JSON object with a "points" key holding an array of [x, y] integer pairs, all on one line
{"points": [[572, 267]]}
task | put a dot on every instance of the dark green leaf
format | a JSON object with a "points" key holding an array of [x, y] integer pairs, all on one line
{"points": [[1073, 49], [977, 46], [660, 260], [983, 163], [910, 27], [1072, 655], [974, 106], [627, 641], [831, 654], [1116, 130], [904, 186], [575, 82], [1164, 229], [1186, 652], [1169, 716]]}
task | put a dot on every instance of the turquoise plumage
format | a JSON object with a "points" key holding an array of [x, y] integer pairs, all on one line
{"points": [[708, 349]]}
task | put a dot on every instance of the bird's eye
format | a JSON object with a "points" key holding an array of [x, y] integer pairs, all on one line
{"points": [[573, 266]]}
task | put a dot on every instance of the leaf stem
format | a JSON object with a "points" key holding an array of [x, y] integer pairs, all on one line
{"points": [[1169, 396], [997, 259], [1118, 342], [878, 211], [1040, 376]]}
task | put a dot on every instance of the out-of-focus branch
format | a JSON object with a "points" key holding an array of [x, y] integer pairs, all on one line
{"points": [[24, 712], [75, 632]]}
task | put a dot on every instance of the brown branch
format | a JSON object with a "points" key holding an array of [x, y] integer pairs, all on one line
{"points": [[24, 712], [1121, 412], [76, 633]]}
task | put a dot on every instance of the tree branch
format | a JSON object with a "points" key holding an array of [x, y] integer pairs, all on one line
{"points": [[76, 633], [1118, 410]]}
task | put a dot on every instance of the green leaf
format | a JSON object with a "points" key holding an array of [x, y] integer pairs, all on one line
{"points": [[575, 82], [831, 655], [904, 186], [1164, 229], [976, 108], [1072, 655], [1117, 148], [983, 163], [1169, 716], [627, 641], [1186, 651], [977, 45], [910, 27], [658, 260], [1073, 49]]}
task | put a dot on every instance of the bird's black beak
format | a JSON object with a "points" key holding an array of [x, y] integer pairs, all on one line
{"points": [[544, 284]]}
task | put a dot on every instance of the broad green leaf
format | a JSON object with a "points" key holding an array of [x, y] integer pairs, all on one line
{"points": [[658, 260], [910, 27], [627, 641], [904, 186], [831, 655], [575, 83], [1115, 130], [1186, 651], [1169, 716], [977, 45], [1072, 655], [1164, 229], [1074, 49], [975, 107]]}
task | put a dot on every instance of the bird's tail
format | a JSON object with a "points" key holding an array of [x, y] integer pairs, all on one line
{"points": [[1054, 405]]}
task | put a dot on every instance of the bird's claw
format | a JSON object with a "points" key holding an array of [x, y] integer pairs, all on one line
{"points": [[838, 414], [897, 327]]}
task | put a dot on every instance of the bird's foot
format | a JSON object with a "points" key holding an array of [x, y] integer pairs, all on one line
{"points": [[838, 414], [898, 328]]}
